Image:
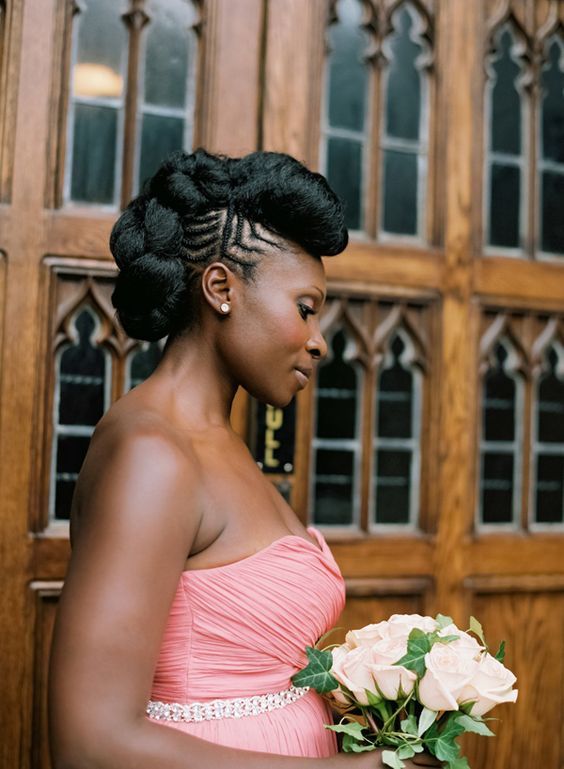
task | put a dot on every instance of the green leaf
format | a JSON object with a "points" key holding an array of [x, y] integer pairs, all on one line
{"points": [[405, 751], [466, 707], [445, 639], [317, 674], [459, 763], [443, 621], [476, 628], [409, 725], [350, 745], [391, 758], [418, 645], [352, 728], [472, 725], [442, 742], [500, 654], [426, 719]]}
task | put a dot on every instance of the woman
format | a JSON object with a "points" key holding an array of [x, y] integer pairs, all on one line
{"points": [[191, 579]]}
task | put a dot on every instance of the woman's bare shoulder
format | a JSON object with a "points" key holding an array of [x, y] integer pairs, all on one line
{"points": [[130, 447]]}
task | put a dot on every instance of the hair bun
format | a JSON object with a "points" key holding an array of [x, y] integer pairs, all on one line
{"points": [[150, 296]]}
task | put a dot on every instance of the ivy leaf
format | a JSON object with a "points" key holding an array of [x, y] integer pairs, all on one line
{"points": [[317, 674], [476, 628], [471, 725], [350, 745], [426, 719], [409, 725], [443, 621], [500, 654], [443, 742], [459, 763], [391, 758], [352, 728], [418, 645], [406, 751]]}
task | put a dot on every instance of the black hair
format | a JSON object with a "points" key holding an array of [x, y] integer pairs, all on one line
{"points": [[199, 208]]}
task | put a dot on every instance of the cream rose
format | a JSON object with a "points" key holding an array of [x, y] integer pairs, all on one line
{"points": [[490, 685], [449, 671], [403, 624], [352, 668], [464, 643], [367, 635], [391, 679]]}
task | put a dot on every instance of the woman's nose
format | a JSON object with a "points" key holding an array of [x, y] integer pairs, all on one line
{"points": [[317, 346]]}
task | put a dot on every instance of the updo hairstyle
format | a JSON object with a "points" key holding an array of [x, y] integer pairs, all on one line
{"points": [[199, 208]]}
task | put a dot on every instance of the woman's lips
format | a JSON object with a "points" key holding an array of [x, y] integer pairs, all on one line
{"points": [[302, 375]]}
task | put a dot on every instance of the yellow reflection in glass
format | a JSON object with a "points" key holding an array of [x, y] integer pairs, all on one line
{"points": [[97, 80]]}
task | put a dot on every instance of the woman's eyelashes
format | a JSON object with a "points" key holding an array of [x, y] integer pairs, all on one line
{"points": [[305, 310]]}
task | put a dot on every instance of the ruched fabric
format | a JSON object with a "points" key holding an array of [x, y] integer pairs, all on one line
{"points": [[240, 630]]}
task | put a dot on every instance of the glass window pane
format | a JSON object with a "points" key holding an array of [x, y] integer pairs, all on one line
{"points": [[94, 154], [551, 406], [499, 402], [403, 98], [344, 158], [552, 225], [143, 362], [395, 398], [336, 395], [552, 81], [348, 75], [504, 205], [393, 482], [70, 454], [334, 484], [169, 53], [160, 136], [98, 71], [506, 100], [82, 371], [550, 489], [400, 193], [497, 487]]}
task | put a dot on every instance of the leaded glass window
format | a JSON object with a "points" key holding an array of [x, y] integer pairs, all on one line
{"points": [[337, 441], [131, 96], [397, 437], [404, 126], [551, 152], [376, 117], [505, 110], [346, 110], [548, 444], [141, 362], [97, 102], [167, 104], [82, 395], [501, 439]]}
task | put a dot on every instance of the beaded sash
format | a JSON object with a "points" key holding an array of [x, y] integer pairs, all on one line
{"points": [[234, 708]]}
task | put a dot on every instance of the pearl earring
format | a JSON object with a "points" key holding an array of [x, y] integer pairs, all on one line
{"points": [[224, 307]]}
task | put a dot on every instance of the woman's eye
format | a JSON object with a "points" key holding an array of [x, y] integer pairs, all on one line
{"points": [[305, 310]]}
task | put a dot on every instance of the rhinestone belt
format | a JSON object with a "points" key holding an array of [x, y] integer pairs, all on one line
{"points": [[235, 708]]}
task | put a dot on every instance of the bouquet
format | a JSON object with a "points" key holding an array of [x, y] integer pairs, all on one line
{"points": [[410, 684]]}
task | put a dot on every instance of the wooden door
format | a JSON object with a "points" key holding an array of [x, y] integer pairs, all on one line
{"points": [[93, 94], [430, 451], [424, 452]]}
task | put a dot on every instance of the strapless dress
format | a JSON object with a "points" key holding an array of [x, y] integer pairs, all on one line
{"points": [[240, 630]]}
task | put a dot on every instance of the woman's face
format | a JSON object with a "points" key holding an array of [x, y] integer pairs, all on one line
{"points": [[272, 338]]}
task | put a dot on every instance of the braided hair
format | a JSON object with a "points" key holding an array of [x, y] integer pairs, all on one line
{"points": [[199, 208]]}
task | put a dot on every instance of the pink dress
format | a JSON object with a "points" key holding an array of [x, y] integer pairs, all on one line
{"points": [[240, 630]]}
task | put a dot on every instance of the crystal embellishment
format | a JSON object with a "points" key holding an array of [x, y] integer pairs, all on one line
{"points": [[216, 709]]}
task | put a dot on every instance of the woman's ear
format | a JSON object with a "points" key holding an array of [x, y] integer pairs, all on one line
{"points": [[218, 282]]}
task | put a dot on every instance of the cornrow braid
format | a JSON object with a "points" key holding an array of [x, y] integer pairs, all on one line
{"points": [[200, 207]]}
